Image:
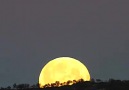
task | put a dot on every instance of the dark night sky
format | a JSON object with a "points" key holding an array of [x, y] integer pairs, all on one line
{"points": [[32, 32]]}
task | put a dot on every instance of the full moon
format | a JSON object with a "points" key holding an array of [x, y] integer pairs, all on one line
{"points": [[63, 69]]}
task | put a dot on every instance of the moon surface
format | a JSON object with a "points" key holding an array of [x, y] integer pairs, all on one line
{"points": [[63, 69]]}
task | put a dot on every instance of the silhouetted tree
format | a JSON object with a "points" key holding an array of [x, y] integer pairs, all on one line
{"points": [[98, 80], [14, 86], [22, 86], [57, 83], [8, 87], [69, 82], [2, 88]]}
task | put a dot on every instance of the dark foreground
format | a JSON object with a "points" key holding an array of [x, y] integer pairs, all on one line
{"points": [[92, 85]]}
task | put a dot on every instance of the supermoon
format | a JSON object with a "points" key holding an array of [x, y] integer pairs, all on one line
{"points": [[63, 69]]}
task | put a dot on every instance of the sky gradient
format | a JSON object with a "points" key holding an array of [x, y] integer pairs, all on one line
{"points": [[33, 32]]}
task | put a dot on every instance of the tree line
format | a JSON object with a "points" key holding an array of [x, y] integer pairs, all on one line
{"points": [[20, 86], [97, 84]]}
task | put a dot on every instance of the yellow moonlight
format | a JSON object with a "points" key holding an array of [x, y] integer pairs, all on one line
{"points": [[63, 69]]}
